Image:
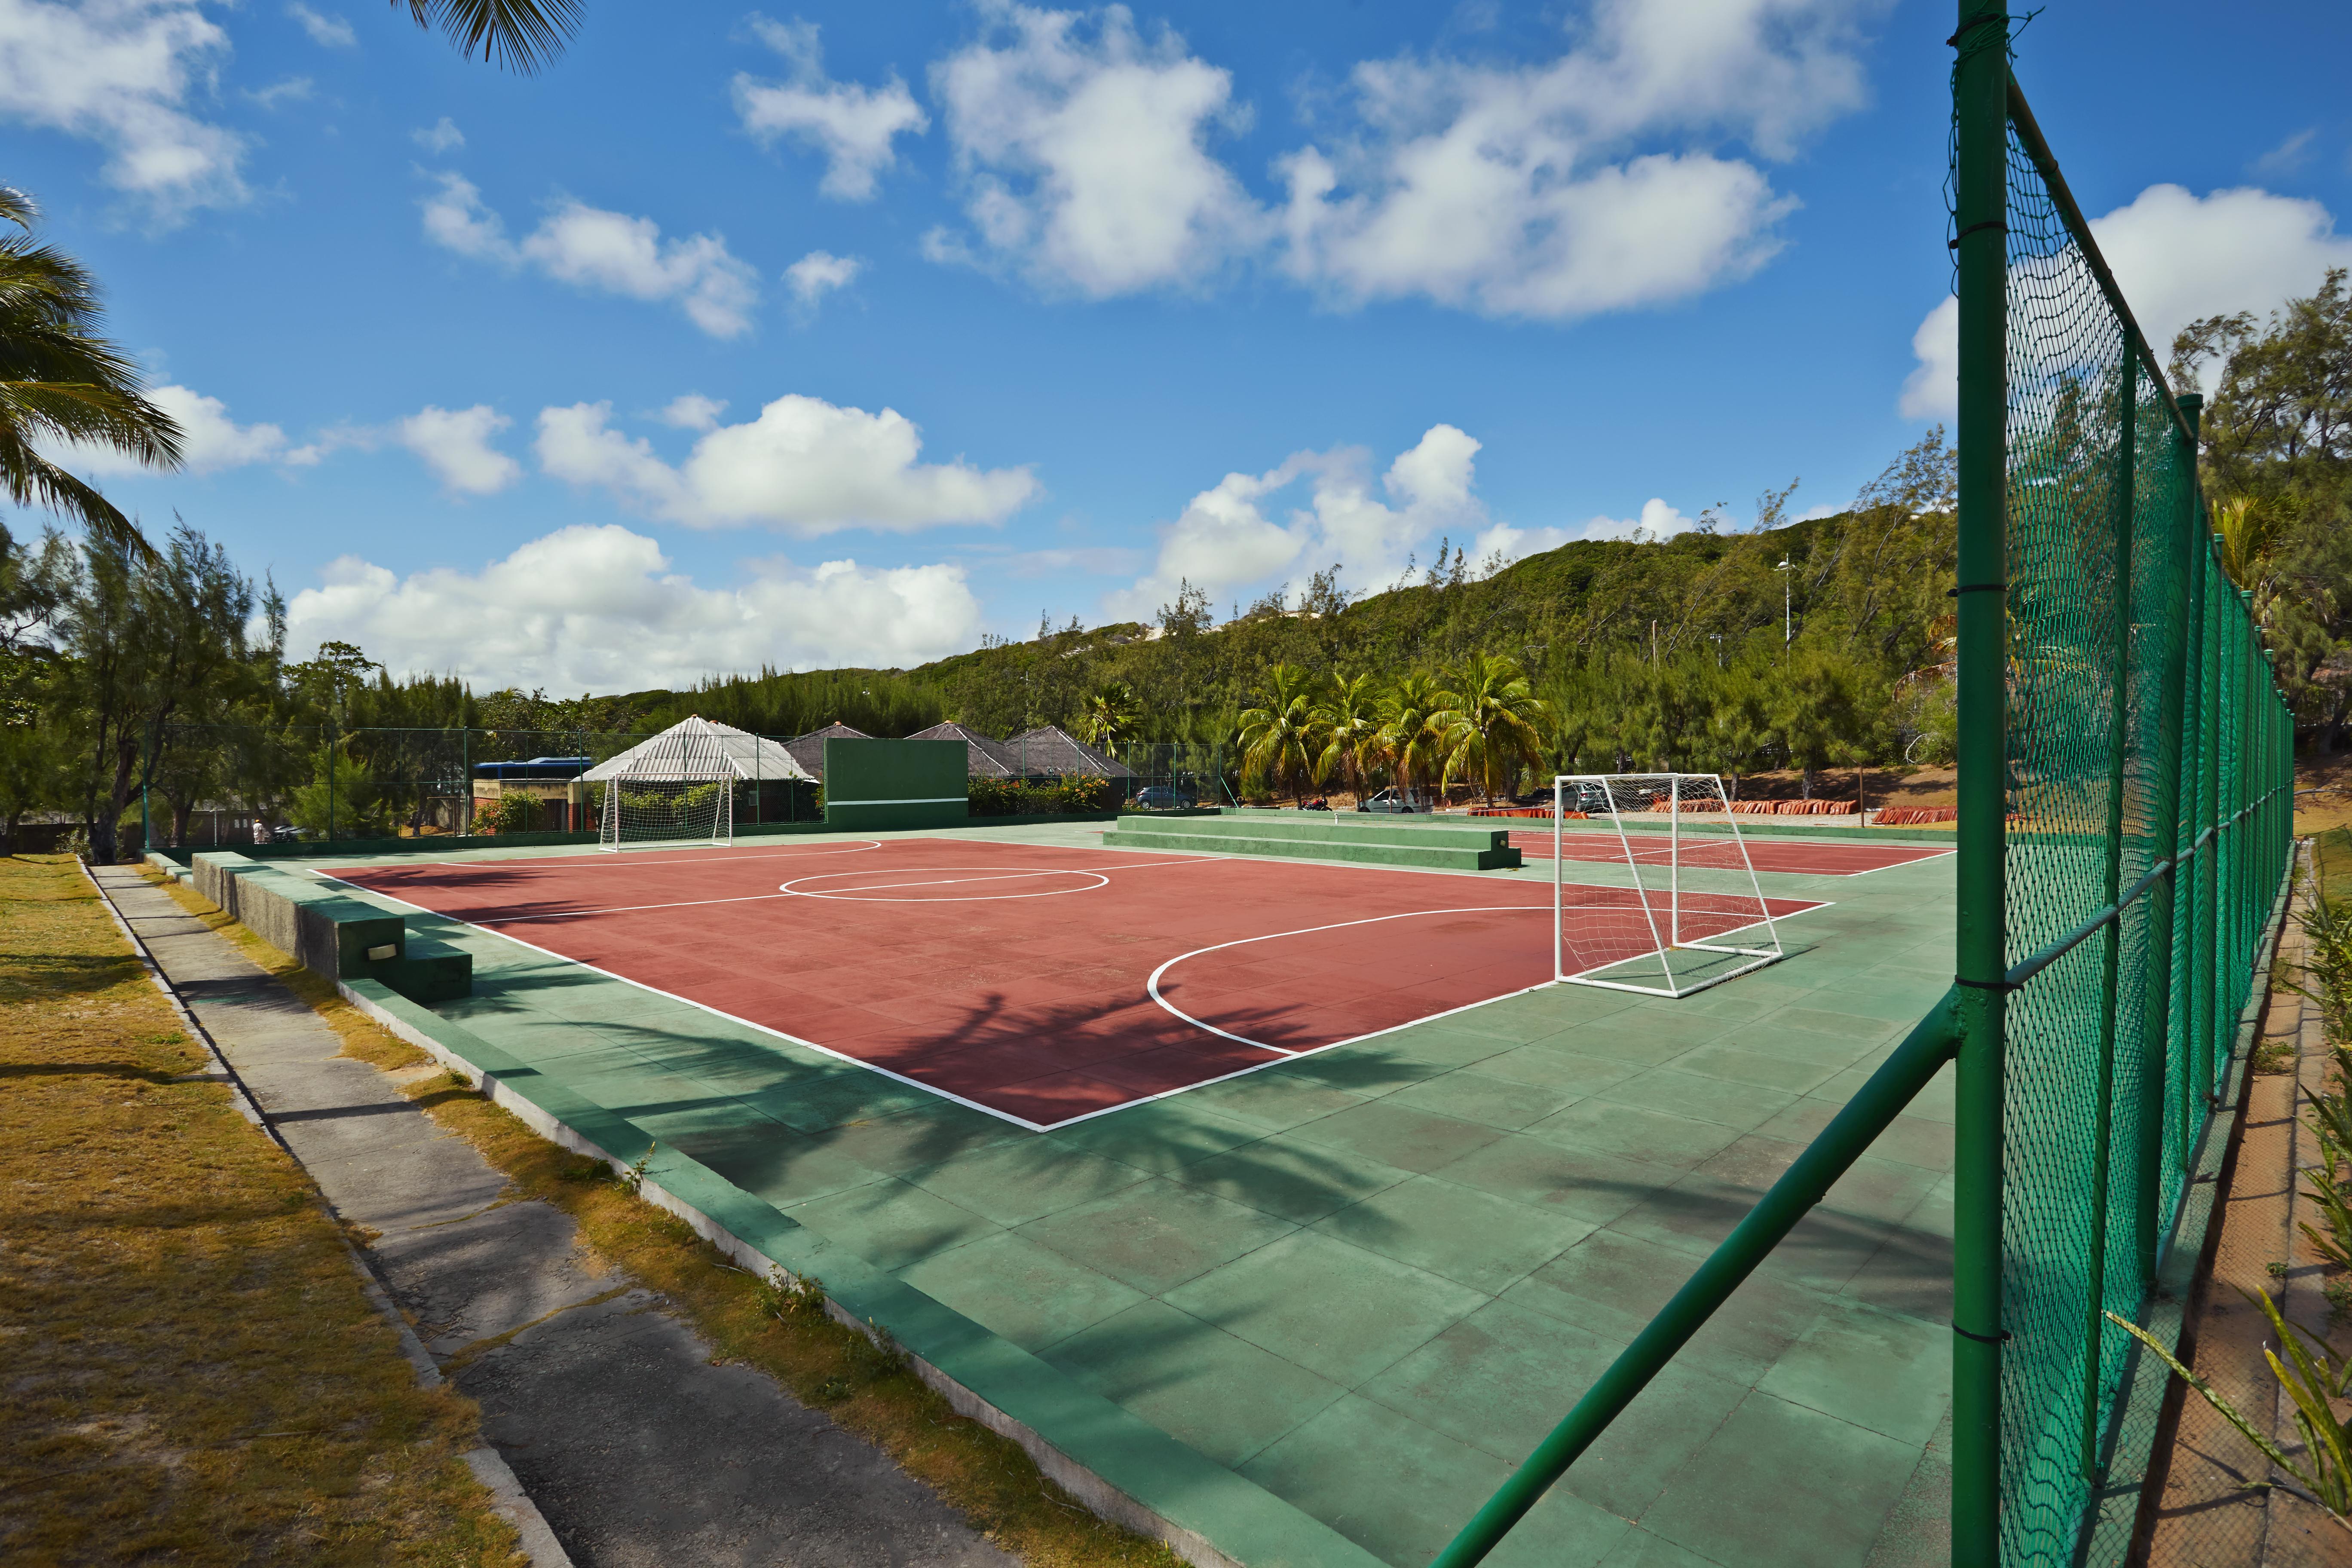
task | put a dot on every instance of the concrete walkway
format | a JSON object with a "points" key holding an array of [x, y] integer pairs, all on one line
{"points": [[635, 1448]]}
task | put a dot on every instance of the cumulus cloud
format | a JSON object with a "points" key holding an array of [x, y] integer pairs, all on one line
{"points": [[121, 73], [2177, 256], [1530, 190], [441, 136], [1593, 181], [854, 126], [612, 252], [327, 32], [599, 609], [1224, 541], [692, 410], [803, 466], [456, 444], [817, 274], [1083, 148], [214, 441]]}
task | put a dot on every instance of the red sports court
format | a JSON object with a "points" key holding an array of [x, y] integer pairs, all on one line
{"points": [[1708, 848], [1046, 984]]}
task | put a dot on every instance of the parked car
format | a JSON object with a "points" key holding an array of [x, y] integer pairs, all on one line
{"points": [[1592, 799], [1395, 801], [1163, 797]]}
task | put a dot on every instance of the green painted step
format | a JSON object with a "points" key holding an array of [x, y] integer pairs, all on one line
{"points": [[1422, 856], [1324, 828]]}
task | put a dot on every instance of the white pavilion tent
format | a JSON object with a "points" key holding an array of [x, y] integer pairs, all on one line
{"points": [[696, 749]]}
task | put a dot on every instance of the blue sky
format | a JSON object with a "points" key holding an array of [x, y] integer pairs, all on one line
{"points": [[848, 334]]}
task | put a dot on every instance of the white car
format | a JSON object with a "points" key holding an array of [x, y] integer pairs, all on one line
{"points": [[1397, 802]]}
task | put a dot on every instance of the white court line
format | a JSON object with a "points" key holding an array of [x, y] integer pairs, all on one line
{"points": [[844, 896], [785, 891], [600, 862], [1151, 984], [1278, 1053], [850, 895], [1020, 1122]]}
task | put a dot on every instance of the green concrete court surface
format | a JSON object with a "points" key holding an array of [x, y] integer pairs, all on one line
{"points": [[1363, 1284]]}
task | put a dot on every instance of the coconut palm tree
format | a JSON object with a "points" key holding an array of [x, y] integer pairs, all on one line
{"points": [[527, 33], [59, 380], [1280, 736], [1110, 713], [1408, 743], [1493, 726], [1349, 714]]}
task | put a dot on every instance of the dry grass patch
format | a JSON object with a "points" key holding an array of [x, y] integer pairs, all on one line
{"points": [[864, 1386], [193, 1374]]}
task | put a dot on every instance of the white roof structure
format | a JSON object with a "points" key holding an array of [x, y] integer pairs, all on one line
{"points": [[699, 749]]}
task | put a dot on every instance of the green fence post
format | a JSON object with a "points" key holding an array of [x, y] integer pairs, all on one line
{"points": [[2217, 685], [1980, 188], [2156, 1050], [2094, 1327]]}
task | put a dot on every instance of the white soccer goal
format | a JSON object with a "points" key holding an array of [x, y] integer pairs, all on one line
{"points": [[644, 810], [1679, 909]]}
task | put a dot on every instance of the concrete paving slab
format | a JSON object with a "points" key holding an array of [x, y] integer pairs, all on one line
{"points": [[635, 1449]]}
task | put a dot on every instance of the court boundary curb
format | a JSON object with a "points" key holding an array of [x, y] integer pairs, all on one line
{"points": [[1120, 1466]]}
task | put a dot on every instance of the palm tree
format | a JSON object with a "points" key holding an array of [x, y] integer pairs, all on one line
{"points": [[1108, 715], [1493, 726], [1351, 729], [58, 379], [1407, 741], [1278, 737], [528, 32], [2250, 532]]}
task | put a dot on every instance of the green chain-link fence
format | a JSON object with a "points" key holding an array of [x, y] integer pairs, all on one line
{"points": [[2124, 831], [2143, 782]]}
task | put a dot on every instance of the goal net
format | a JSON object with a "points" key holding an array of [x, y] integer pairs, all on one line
{"points": [[1664, 900], [643, 809]]}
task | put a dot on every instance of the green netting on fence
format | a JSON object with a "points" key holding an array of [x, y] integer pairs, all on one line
{"points": [[2146, 784]]}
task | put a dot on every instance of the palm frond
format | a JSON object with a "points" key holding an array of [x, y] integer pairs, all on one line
{"points": [[521, 34]]}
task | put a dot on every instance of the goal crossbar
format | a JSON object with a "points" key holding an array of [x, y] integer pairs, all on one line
{"points": [[1693, 896], [668, 806]]}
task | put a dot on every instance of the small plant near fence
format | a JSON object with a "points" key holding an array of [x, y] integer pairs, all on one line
{"points": [[2312, 1377]]}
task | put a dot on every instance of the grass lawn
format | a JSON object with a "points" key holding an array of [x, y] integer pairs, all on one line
{"points": [[866, 1389], [193, 1371]]}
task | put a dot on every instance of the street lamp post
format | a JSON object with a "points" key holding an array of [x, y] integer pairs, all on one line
{"points": [[1788, 624]]}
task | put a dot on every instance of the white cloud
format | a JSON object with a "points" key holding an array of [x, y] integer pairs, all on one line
{"points": [[2288, 156], [327, 32], [692, 410], [854, 126], [441, 136], [212, 441], [121, 73], [1656, 522], [803, 466], [592, 248], [456, 444], [1592, 182], [599, 609], [1526, 191], [1224, 543], [2177, 256], [1085, 153], [293, 90], [819, 273]]}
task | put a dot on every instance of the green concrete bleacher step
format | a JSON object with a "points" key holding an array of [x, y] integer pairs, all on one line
{"points": [[1342, 837], [330, 932]]}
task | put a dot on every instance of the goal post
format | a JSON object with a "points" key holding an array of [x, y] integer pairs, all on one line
{"points": [[646, 810], [1680, 908]]}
